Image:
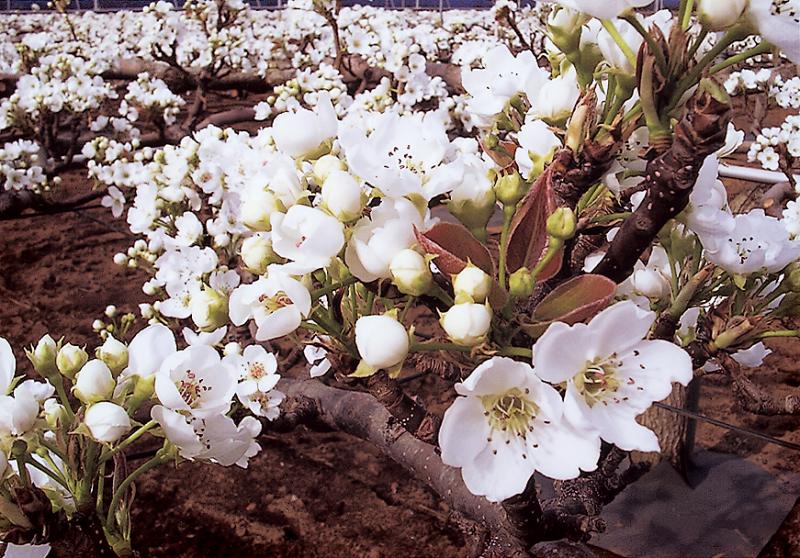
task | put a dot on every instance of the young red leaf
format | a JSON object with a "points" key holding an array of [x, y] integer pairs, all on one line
{"points": [[528, 234], [571, 302]]}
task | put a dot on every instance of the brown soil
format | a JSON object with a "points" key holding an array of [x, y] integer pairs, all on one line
{"points": [[308, 494]]}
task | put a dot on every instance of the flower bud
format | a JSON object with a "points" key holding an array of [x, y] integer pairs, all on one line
{"points": [[717, 15], [258, 206], [521, 283], [382, 341], [257, 253], [94, 382], [143, 389], [411, 272], [114, 354], [341, 195], [562, 223], [510, 189], [650, 283], [54, 413], [209, 309], [564, 28], [471, 284], [70, 359], [43, 357], [107, 422], [474, 212], [467, 323], [325, 165]]}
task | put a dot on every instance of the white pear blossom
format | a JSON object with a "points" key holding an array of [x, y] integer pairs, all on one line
{"points": [[317, 357], [611, 372], [376, 239], [756, 243], [506, 425], [303, 131], [256, 370], [215, 438], [777, 22], [148, 349], [471, 284], [277, 303], [94, 382], [195, 381], [606, 9], [308, 237], [537, 144]]}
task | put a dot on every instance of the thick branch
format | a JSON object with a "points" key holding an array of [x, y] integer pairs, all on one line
{"points": [[755, 399], [669, 181]]}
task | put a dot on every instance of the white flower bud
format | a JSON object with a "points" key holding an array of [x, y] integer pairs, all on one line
{"points": [[120, 258], [111, 311], [114, 354], [107, 422], [467, 323], [94, 382], [54, 413], [257, 253], [410, 272], [257, 208], [342, 195], [209, 309], [232, 348], [43, 357], [325, 165], [471, 284], [70, 359], [382, 341], [719, 15], [650, 283]]}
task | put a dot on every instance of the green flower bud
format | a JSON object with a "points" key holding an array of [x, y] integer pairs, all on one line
{"points": [[562, 223], [521, 283], [70, 359], [43, 357], [510, 189], [114, 354]]}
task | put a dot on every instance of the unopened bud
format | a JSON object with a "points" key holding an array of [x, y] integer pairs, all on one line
{"points": [[521, 283], [209, 309], [562, 223], [70, 359], [114, 354], [510, 189], [411, 272], [471, 284], [43, 357]]}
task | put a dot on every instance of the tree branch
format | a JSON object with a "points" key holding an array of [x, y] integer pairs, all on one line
{"points": [[669, 180]]}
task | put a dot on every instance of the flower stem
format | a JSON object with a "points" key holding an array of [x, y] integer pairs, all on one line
{"points": [[128, 441], [651, 43], [779, 333], [508, 215], [438, 346], [155, 461], [685, 13], [516, 351], [53, 475], [761, 48], [62, 395], [333, 288], [609, 26]]}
